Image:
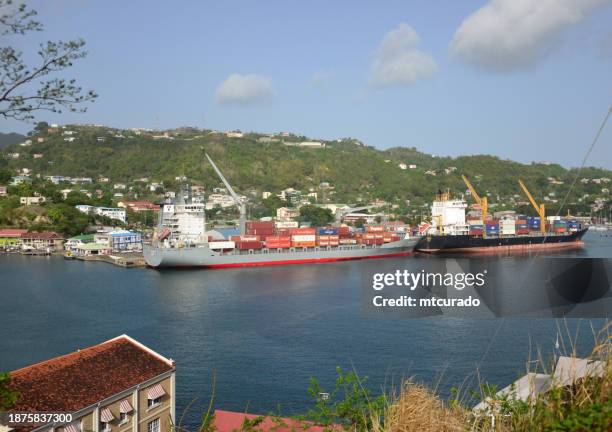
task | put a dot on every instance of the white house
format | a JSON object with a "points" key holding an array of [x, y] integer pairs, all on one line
{"points": [[285, 213], [33, 200], [112, 213]]}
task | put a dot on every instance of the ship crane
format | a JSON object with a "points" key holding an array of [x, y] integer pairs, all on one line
{"points": [[539, 208], [483, 202], [239, 203]]}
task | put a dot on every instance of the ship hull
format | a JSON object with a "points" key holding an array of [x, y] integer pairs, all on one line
{"points": [[204, 257], [478, 244]]}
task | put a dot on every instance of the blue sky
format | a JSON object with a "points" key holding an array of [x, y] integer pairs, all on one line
{"points": [[519, 79]]}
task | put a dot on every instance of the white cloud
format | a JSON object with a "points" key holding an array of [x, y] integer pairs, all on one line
{"points": [[398, 61], [245, 89], [508, 35]]}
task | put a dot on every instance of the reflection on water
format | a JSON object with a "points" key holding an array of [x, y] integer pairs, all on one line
{"points": [[263, 331]]}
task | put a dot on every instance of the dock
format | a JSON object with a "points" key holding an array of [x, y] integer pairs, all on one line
{"points": [[127, 260]]}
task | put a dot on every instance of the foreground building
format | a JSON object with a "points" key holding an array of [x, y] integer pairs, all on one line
{"points": [[117, 386]]}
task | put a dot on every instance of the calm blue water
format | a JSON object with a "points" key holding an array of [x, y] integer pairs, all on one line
{"points": [[263, 332]]}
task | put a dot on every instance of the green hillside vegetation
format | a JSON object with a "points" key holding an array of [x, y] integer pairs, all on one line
{"points": [[7, 139], [357, 173]]}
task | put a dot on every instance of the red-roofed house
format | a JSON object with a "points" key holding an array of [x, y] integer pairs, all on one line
{"points": [[117, 386], [138, 206], [228, 421], [11, 237], [42, 240]]}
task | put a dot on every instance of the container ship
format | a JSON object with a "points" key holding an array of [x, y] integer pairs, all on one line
{"points": [[182, 240], [450, 231]]}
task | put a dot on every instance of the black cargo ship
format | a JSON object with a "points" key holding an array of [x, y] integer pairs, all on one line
{"points": [[479, 244]]}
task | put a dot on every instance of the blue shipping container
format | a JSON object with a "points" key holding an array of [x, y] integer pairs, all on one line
{"points": [[328, 231]]}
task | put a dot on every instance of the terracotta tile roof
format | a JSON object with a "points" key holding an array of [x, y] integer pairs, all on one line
{"points": [[45, 235], [228, 421], [74, 381], [12, 232]]}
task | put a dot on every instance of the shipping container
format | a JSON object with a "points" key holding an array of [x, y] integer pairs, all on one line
{"points": [[344, 231], [375, 229], [245, 238], [476, 231], [347, 241], [246, 245], [303, 231], [303, 238], [327, 231], [215, 245], [303, 244], [477, 222], [289, 224], [522, 231]]}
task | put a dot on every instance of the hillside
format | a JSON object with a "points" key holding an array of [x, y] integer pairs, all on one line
{"points": [[7, 139], [356, 172]]}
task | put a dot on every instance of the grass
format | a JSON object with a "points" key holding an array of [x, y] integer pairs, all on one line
{"points": [[583, 405]]}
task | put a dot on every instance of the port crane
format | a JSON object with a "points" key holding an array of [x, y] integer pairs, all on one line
{"points": [[483, 202], [539, 208], [239, 203]]}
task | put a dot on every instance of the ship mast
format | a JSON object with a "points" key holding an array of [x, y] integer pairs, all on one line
{"points": [[241, 205]]}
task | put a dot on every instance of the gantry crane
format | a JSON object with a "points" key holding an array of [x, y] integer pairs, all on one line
{"points": [[539, 208], [483, 202], [237, 201]]}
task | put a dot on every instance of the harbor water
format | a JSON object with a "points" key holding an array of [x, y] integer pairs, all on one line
{"points": [[261, 332]]}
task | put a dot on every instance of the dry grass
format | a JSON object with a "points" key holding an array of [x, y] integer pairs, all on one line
{"points": [[418, 409], [585, 405]]}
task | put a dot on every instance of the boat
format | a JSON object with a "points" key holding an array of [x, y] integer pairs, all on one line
{"points": [[182, 240], [450, 232], [68, 255]]}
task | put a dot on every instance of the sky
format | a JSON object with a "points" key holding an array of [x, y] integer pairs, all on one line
{"points": [[523, 80]]}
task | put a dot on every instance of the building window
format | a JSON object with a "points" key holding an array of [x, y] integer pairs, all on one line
{"points": [[153, 426], [153, 402], [123, 418], [104, 426]]}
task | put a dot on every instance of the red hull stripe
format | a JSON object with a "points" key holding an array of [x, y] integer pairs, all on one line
{"points": [[517, 248], [303, 261]]}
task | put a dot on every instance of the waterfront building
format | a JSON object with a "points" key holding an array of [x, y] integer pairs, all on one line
{"points": [[120, 240], [117, 386], [45, 240], [11, 237], [89, 249], [79, 240]]}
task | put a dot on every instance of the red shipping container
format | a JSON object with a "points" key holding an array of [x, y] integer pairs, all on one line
{"points": [[259, 225], [245, 245], [303, 244], [377, 229], [245, 238], [303, 231], [522, 231], [344, 231], [347, 241]]}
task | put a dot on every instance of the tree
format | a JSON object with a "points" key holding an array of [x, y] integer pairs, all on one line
{"points": [[317, 216], [8, 396], [25, 89]]}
